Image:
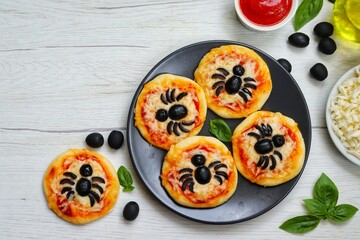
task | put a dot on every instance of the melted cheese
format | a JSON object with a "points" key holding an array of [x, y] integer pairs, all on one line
{"points": [[80, 202], [153, 103], [345, 113], [232, 101], [286, 150]]}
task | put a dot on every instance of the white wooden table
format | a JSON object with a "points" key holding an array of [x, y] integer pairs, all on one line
{"points": [[69, 68]]}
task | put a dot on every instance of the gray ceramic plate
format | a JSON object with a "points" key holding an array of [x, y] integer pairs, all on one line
{"points": [[249, 200]]}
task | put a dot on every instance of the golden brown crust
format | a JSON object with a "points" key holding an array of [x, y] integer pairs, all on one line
{"points": [[62, 195], [179, 173], [264, 172], [251, 95], [164, 92]]}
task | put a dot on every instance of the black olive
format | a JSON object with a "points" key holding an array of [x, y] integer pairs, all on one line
{"points": [[238, 70], [263, 146], [198, 160], [202, 175], [86, 170], [319, 71], [233, 85], [177, 112], [299, 39], [278, 140], [161, 115], [116, 139], [131, 211], [94, 140], [324, 29], [327, 46], [285, 63], [83, 187]]}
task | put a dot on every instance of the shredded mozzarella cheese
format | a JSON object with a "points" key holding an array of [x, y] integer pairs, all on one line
{"points": [[345, 114]]}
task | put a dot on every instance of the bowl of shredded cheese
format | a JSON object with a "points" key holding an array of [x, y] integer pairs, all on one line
{"points": [[343, 114]]}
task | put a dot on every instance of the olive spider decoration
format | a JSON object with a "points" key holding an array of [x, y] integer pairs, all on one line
{"points": [[266, 145], [202, 173], [175, 113], [234, 84], [84, 186]]}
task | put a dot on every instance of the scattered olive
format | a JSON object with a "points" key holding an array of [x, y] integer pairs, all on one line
{"points": [[116, 139], [299, 39], [94, 140], [131, 211], [324, 29], [319, 71], [285, 63], [327, 46]]}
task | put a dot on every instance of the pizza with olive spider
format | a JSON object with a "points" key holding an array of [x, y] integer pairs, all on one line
{"points": [[81, 186], [268, 148], [199, 172], [170, 108], [235, 79]]}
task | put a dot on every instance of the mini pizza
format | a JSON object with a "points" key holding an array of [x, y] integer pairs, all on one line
{"points": [[235, 79], [199, 172], [81, 186], [170, 108], [268, 148]]}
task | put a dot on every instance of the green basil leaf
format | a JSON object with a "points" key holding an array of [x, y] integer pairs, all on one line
{"points": [[332, 1], [326, 191], [343, 212], [307, 10], [301, 224], [220, 129], [125, 179], [316, 208]]}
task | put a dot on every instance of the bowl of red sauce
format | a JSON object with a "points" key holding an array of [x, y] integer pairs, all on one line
{"points": [[265, 15]]}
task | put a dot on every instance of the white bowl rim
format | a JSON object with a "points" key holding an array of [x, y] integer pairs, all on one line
{"points": [[334, 91], [250, 25]]}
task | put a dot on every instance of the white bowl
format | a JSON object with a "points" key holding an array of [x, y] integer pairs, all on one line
{"points": [[333, 136], [253, 26]]}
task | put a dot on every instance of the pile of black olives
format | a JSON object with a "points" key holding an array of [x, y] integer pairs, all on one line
{"points": [[326, 45], [96, 140]]}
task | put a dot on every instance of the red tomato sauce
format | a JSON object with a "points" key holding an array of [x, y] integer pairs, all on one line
{"points": [[265, 12]]}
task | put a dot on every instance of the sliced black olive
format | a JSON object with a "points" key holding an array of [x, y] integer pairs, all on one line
{"points": [[198, 160], [94, 140], [177, 112], [131, 211], [327, 46], [285, 63], [86, 170], [263, 146], [83, 187], [116, 139], [278, 140], [319, 71], [233, 85], [324, 29], [66, 181], [239, 70], [299, 39], [202, 175], [161, 115]]}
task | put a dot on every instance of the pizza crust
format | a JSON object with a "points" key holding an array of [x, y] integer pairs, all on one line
{"points": [[247, 158], [61, 186], [215, 71], [193, 191], [165, 92]]}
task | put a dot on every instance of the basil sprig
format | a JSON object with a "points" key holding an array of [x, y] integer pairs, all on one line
{"points": [[125, 179], [323, 205], [307, 10], [220, 129]]}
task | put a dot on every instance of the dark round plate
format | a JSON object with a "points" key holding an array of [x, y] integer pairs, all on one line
{"points": [[249, 200]]}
